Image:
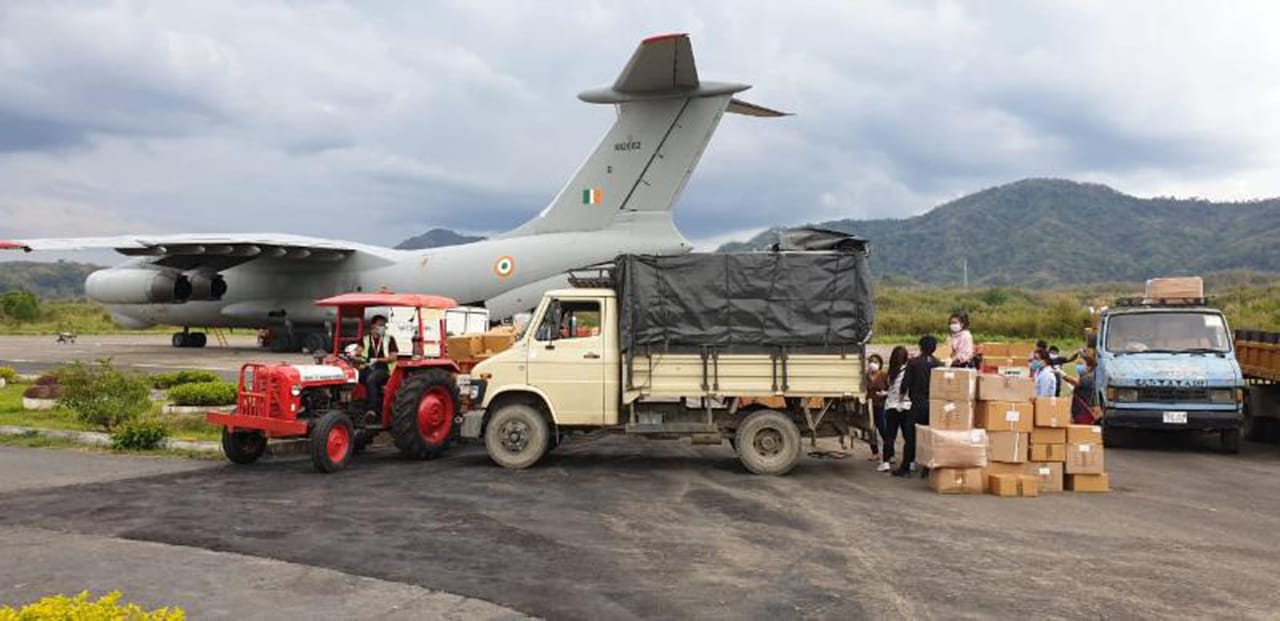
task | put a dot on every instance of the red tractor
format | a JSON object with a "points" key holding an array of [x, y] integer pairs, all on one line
{"points": [[324, 402]]}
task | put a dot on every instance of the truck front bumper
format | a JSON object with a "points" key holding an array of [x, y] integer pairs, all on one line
{"points": [[1197, 420]]}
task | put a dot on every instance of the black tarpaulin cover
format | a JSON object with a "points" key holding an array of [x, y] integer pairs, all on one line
{"points": [[758, 301]]}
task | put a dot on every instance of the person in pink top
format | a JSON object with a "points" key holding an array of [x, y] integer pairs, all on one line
{"points": [[960, 341]]}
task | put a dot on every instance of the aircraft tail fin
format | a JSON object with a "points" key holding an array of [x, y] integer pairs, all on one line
{"points": [[666, 117]]}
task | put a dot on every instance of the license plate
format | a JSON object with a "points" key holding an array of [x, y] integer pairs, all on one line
{"points": [[1175, 418]]}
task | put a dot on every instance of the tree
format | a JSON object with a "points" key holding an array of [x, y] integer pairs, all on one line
{"points": [[20, 305]]}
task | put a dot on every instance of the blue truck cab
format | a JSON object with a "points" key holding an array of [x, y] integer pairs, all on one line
{"points": [[1169, 366]]}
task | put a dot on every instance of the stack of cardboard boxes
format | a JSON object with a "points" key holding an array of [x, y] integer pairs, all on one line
{"points": [[1006, 410], [1085, 469], [953, 450], [480, 346], [1006, 358]]}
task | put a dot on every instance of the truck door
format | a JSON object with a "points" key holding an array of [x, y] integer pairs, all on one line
{"points": [[567, 362]]}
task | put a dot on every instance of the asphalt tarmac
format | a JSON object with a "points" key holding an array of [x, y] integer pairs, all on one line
{"points": [[623, 528], [151, 353]]}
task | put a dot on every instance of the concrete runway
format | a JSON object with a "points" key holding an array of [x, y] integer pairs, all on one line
{"points": [[151, 353], [626, 528]]}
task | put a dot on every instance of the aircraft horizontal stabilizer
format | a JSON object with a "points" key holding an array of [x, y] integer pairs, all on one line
{"points": [[737, 106]]}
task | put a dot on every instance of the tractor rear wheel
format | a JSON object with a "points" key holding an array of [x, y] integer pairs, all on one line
{"points": [[243, 447], [422, 414], [332, 442]]}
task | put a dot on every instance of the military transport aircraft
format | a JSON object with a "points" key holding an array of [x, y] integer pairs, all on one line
{"points": [[619, 201]]}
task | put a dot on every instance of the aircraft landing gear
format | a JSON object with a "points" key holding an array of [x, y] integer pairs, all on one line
{"points": [[186, 338]]}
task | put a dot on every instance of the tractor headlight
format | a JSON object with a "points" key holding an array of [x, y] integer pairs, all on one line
{"points": [[1122, 394], [296, 390], [1222, 395]]}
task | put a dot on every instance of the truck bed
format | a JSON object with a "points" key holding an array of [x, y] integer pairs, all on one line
{"points": [[674, 375]]}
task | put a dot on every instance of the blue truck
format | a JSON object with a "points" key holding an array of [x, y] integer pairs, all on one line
{"points": [[1169, 365]]}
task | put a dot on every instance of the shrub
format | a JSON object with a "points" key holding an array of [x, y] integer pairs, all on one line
{"points": [[8, 375], [104, 396], [139, 435], [204, 393], [43, 392], [49, 378], [80, 607], [20, 305], [178, 378]]}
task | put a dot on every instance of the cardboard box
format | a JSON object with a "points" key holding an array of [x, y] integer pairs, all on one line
{"points": [[1048, 452], [1005, 416], [1048, 435], [1028, 486], [1000, 468], [499, 339], [948, 448], [1084, 459], [1175, 288], [956, 480], [950, 414], [1049, 476], [1007, 446], [1003, 484], [1089, 482], [1022, 351], [1084, 434], [994, 350], [1053, 411], [947, 384], [1005, 388], [465, 347]]}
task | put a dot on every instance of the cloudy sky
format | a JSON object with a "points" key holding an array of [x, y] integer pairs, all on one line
{"points": [[375, 120]]}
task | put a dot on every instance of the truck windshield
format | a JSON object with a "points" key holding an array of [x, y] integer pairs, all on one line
{"points": [[1167, 333]]}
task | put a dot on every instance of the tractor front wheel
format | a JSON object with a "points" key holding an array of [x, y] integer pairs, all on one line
{"points": [[332, 442], [422, 414], [243, 447]]}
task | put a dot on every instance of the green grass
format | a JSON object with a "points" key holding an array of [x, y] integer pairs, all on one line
{"points": [[77, 317], [32, 440], [184, 427]]}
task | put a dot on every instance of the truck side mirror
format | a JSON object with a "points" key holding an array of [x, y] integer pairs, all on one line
{"points": [[555, 315]]}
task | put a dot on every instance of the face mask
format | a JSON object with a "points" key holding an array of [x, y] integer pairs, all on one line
{"points": [[955, 327], [1080, 369], [873, 366], [1036, 366], [379, 330]]}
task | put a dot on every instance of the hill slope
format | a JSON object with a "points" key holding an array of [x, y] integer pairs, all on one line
{"points": [[436, 238], [57, 281], [1043, 232]]}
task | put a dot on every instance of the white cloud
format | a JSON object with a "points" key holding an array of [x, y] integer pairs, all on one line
{"points": [[377, 120]]}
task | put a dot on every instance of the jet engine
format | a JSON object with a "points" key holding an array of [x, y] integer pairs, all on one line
{"points": [[137, 286], [206, 286]]}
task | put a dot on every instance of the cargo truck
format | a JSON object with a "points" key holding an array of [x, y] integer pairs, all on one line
{"points": [[756, 349], [1259, 354], [1169, 364]]}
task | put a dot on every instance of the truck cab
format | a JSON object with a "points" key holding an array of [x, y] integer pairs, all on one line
{"points": [[1169, 366], [566, 360]]}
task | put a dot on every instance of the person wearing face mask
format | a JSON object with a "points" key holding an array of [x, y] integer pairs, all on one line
{"points": [[1084, 391], [1045, 375], [878, 388], [960, 340], [379, 351]]}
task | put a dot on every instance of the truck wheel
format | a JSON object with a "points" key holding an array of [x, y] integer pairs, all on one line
{"points": [[1109, 437], [768, 442], [1229, 441], [422, 414], [243, 447], [332, 442], [517, 436]]}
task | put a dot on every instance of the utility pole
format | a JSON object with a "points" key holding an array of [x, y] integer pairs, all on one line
{"points": [[966, 272]]}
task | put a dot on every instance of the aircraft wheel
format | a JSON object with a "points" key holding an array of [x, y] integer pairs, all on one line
{"points": [[197, 339], [313, 343], [283, 342], [179, 339]]}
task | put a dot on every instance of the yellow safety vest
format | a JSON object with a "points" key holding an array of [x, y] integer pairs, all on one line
{"points": [[381, 350]]}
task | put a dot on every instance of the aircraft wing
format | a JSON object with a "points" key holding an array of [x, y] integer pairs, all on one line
{"points": [[203, 250]]}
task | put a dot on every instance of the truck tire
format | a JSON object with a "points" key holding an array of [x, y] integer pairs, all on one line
{"points": [[1229, 441], [768, 442], [517, 436], [332, 442], [243, 447], [422, 414]]}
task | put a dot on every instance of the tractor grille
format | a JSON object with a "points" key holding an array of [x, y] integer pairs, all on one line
{"points": [[1169, 394]]}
